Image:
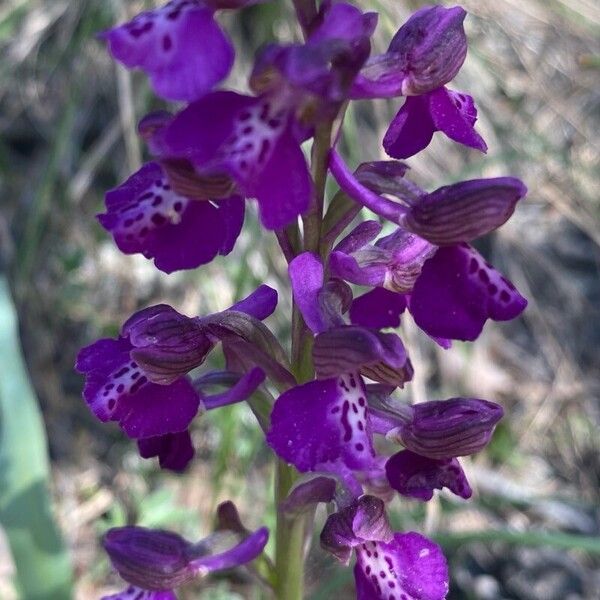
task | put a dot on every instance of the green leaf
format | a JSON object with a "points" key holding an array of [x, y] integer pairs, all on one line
{"points": [[42, 563]]}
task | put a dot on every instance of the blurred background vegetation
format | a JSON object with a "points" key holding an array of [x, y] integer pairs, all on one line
{"points": [[67, 134]]}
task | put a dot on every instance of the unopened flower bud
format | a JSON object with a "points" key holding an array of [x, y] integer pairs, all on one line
{"points": [[363, 521], [449, 428], [151, 559], [464, 211], [434, 46], [167, 344]]}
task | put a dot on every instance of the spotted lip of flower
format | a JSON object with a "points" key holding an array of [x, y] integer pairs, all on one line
{"points": [[179, 46], [246, 141], [388, 565], [324, 425], [145, 215], [425, 54], [452, 113], [139, 379], [450, 280], [154, 559]]}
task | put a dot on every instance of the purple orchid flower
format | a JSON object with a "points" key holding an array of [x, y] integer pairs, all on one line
{"points": [[388, 565], [318, 74], [434, 434], [180, 46], [424, 55], [251, 145], [248, 146], [156, 561], [141, 381], [146, 216], [323, 425], [448, 287]]}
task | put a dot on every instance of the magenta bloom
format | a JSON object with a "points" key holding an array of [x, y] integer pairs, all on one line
{"points": [[426, 53], [248, 145], [146, 216], [388, 565], [179, 46], [316, 76], [452, 113], [324, 425], [141, 379], [448, 287]]}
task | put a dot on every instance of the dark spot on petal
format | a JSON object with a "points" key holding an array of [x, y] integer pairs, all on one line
{"points": [[157, 201], [120, 388], [111, 403], [247, 130], [158, 219], [264, 113], [483, 276], [492, 289], [359, 447], [361, 401], [244, 116], [504, 296], [178, 206], [167, 43], [473, 265]]}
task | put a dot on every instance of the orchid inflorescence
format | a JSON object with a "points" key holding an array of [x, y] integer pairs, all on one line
{"points": [[323, 406]]}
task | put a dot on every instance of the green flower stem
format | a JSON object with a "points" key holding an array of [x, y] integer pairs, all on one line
{"points": [[313, 219], [290, 534], [289, 541]]}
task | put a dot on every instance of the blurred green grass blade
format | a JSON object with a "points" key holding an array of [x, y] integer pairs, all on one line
{"points": [[42, 563], [548, 539]]}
